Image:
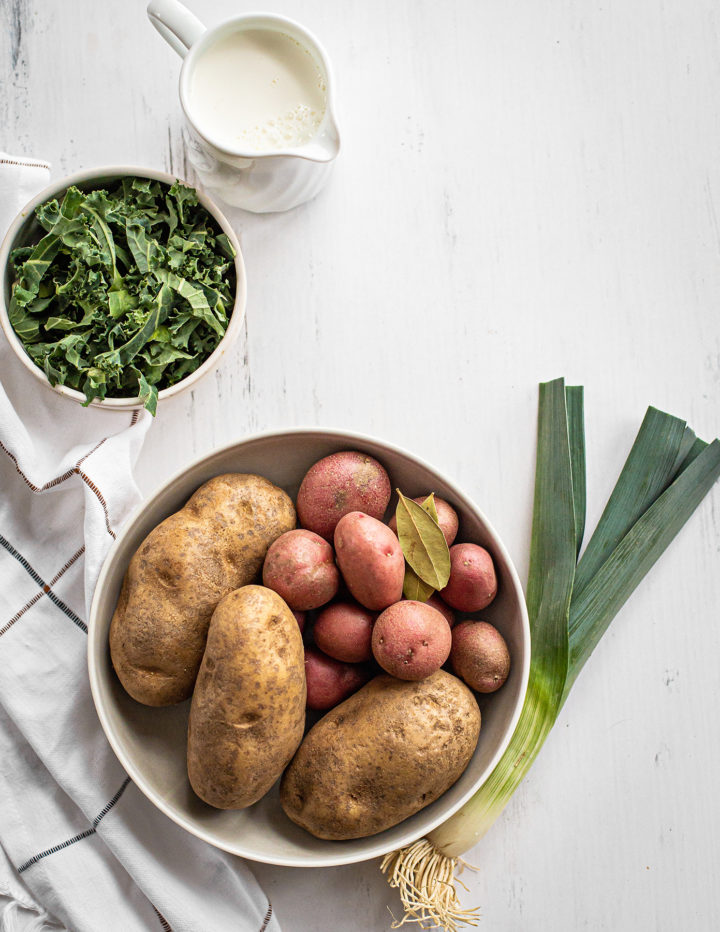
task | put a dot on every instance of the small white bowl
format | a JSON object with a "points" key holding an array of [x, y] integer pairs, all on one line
{"points": [[25, 230], [151, 742]]}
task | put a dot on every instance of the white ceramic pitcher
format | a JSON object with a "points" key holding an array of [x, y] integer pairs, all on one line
{"points": [[264, 181]]}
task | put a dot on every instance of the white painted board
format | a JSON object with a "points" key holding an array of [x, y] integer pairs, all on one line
{"points": [[525, 190]]}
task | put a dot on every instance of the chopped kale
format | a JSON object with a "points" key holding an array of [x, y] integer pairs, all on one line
{"points": [[128, 291]]}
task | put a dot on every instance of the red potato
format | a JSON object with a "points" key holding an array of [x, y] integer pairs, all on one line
{"points": [[473, 583], [370, 560], [437, 603], [330, 682], [480, 656], [411, 640], [338, 484], [447, 518], [300, 567], [344, 631], [300, 618]]}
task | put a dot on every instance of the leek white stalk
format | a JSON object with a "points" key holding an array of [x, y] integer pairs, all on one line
{"points": [[667, 474]]}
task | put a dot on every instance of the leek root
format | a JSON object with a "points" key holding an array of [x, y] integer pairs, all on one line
{"points": [[426, 880]]}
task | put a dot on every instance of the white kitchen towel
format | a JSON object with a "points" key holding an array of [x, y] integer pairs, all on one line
{"points": [[20, 180], [80, 846]]}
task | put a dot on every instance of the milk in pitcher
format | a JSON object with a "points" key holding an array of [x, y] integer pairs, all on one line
{"points": [[258, 90]]}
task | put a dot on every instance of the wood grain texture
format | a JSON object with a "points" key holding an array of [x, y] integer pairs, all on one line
{"points": [[525, 190]]}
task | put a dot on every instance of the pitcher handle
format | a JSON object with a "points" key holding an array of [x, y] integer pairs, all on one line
{"points": [[176, 24]]}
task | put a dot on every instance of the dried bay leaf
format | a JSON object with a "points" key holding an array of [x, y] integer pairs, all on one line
{"points": [[429, 506], [422, 541], [414, 587]]}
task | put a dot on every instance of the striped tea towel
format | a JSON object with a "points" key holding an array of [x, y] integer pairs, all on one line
{"points": [[80, 846]]}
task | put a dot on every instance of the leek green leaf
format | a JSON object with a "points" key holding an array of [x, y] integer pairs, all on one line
{"points": [[549, 589], [598, 603], [646, 473], [686, 445], [576, 433], [695, 451]]}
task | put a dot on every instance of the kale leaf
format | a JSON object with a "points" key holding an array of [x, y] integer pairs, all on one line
{"points": [[127, 292]]}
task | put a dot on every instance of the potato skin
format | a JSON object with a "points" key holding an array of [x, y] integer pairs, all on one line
{"points": [[247, 715], [344, 631], [473, 583], [370, 560], [437, 603], [411, 640], [338, 484], [300, 567], [182, 569], [480, 656], [330, 681], [385, 753]]}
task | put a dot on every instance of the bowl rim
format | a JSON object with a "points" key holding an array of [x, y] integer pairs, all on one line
{"points": [[235, 322], [374, 850]]}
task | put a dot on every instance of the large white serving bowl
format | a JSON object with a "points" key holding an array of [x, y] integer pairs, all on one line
{"points": [[151, 742], [25, 230]]}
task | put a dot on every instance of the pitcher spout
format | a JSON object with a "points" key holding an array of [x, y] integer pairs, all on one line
{"points": [[325, 146]]}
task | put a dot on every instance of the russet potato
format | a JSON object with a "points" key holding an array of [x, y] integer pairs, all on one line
{"points": [[215, 544], [385, 753], [248, 709]]}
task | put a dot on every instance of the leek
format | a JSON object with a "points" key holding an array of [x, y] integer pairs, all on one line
{"points": [[570, 603]]}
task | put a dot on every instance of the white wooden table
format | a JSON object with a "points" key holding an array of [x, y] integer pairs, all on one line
{"points": [[525, 190]]}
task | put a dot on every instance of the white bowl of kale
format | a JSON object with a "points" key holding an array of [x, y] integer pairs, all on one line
{"points": [[121, 286]]}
